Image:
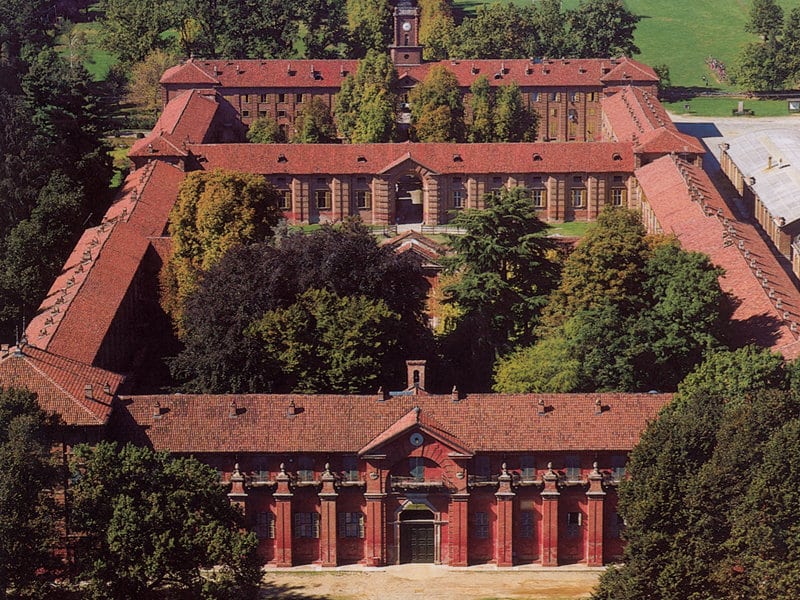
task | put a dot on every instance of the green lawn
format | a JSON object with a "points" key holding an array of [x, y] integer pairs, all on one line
{"points": [[98, 61], [682, 33], [721, 107]]}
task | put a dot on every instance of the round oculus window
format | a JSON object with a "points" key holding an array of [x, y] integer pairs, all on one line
{"points": [[416, 439]]}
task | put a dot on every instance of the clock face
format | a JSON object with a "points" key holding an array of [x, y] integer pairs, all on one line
{"points": [[416, 439], [406, 26]]}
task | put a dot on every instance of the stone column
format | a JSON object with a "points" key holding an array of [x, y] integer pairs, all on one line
{"points": [[459, 536], [382, 213], [432, 199], [327, 521], [283, 520], [594, 539], [504, 536], [550, 496]]}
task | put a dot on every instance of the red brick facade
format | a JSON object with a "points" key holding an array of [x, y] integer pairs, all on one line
{"points": [[412, 477]]}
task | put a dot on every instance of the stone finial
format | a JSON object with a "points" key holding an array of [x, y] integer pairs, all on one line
{"points": [[550, 468], [504, 469], [282, 469], [595, 468]]}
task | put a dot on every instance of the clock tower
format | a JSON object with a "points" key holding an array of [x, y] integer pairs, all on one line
{"points": [[406, 49]]}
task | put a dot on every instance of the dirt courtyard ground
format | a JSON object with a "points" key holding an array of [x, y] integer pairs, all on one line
{"points": [[431, 582]]}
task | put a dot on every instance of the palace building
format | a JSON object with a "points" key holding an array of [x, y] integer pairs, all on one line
{"points": [[403, 476]]}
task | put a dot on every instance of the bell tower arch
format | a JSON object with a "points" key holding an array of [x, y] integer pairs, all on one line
{"points": [[405, 50]]}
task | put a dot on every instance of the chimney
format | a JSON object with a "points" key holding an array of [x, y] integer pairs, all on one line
{"points": [[454, 394], [540, 407], [598, 407], [769, 162], [292, 410], [157, 410], [233, 410], [416, 374]]}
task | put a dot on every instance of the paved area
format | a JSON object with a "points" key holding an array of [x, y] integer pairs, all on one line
{"points": [[431, 582]]}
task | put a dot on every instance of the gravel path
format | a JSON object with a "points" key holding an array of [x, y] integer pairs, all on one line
{"points": [[431, 582]]}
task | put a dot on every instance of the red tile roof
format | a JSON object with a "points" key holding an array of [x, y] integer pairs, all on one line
{"points": [[328, 423], [686, 204], [186, 119], [60, 384], [636, 116], [103, 264], [553, 157], [628, 70], [281, 73]]}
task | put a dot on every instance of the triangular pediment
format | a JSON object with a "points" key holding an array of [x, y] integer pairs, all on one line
{"points": [[406, 163], [407, 81], [415, 422]]}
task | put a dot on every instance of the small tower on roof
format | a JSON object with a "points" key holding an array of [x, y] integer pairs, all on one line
{"points": [[405, 50]]}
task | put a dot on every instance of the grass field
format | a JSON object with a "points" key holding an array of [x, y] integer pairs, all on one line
{"points": [[682, 33], [721, 107]]}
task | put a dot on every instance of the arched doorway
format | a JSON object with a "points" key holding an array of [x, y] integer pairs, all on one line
{"points": [[417, 536], [408, 199]]}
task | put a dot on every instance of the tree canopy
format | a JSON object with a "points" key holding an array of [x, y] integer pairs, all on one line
{"points": [[275, 279], [506, 269], [148, 519], [215, 211], [630, 314], [27, 528], [725, 531], [437, 110], [365, 104]]}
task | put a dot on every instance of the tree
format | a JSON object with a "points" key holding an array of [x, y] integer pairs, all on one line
{"points": [[545, 367], [144, 90], [481, 126], [682, 532], [513, 120], [498, 30], [759, 68], [327, 344], [602, 28], [436, 28], [34, 251], [131, 30], [606, 266], [314, 124], [256, 29], [369, 24], [506, 268], [765, 19], [324, 33], [149, 520], [631, 313], [664, 80], [549, 23], [365, 104], [215, 211], [790, 46], [27, 527], [437, 111], [250, 281], [265, 130]]}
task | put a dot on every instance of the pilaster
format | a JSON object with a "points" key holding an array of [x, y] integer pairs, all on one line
{"points": [[459, 538], [595, 499], [327, 520], [283, 520], [504, 536], [550, 495]]}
